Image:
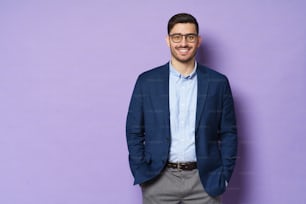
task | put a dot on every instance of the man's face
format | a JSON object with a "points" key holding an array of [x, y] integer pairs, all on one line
{"points": [[183, 48]]}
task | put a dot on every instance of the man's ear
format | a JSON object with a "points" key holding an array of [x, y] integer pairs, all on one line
{"points": [[168, 41], [199, 41]]}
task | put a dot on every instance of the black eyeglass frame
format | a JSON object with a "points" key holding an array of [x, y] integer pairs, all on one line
{"points": [[187, 37]]}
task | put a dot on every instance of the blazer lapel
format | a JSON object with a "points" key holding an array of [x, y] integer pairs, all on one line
{"points": [[202, 76], [160, 93], [164, 99]]}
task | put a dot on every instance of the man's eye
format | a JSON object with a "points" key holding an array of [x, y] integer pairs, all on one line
{"points": [[177, 37], [191, 37]]}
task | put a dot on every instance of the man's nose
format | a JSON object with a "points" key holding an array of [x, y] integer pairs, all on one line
{"points": [[184, 40]]}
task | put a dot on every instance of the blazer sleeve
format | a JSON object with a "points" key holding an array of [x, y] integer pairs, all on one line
{"points": [[228, 132], [135, 129]]}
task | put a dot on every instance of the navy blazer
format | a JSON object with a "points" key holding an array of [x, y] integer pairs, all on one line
{"points": [[148, 127]]}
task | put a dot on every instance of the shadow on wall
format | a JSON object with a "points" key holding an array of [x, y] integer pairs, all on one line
{"points": [[238, 189]]}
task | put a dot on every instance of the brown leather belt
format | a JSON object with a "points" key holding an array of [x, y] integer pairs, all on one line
{"points": [[187, 166]]}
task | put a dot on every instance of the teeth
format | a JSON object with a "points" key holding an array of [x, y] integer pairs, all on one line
{"points": [[183, 50]]}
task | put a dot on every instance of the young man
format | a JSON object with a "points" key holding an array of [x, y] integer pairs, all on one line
{"points": [[181, 128]]}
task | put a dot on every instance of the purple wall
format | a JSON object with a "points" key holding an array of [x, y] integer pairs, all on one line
{"points": [[67, 69]]}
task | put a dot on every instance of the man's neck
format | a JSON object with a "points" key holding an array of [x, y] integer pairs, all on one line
{"points": [[184, 68]]}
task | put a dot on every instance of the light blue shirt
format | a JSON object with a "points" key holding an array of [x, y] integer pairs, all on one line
{"points": [[183, 103]]}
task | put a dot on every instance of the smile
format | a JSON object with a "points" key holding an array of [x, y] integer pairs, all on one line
{"points": [[183, 50]]}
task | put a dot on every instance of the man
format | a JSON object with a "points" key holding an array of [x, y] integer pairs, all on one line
{"points": [[181, 128]]}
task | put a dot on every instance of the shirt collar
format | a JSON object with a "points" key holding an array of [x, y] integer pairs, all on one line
{"points": [[174, 72]]}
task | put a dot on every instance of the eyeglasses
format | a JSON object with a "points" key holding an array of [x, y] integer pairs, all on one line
{"points": [[176, 37]]}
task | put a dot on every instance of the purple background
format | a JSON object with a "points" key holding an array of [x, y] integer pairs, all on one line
{"points": [[67, 70]]}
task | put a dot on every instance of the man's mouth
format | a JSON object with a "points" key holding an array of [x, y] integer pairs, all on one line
{"points": [[183, 50]]}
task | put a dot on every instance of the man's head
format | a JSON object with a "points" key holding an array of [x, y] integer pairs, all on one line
{"points": [[183, 37], [182, 18]]}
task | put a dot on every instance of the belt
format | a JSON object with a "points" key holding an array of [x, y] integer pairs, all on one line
{"points": [[186, 166]]}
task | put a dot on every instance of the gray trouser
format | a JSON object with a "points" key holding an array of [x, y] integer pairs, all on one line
{"points": [[175, 186]]}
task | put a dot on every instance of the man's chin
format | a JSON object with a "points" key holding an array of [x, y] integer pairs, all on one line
{"points": [[185, 60]]}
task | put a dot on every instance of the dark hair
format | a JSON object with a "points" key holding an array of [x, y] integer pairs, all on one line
{"points": [[182, 18]]}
